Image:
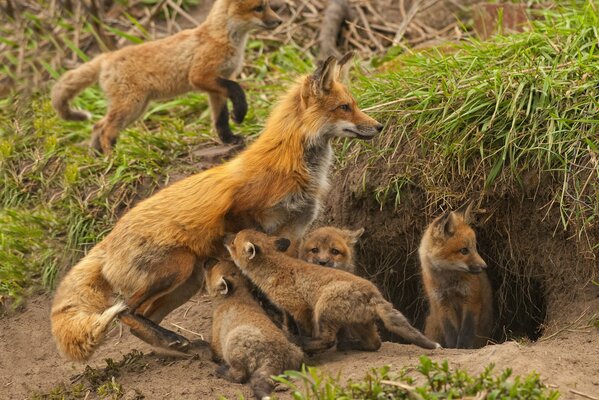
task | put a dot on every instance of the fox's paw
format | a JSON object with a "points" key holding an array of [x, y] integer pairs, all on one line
{"points": [[180, 344], [232, 139]]}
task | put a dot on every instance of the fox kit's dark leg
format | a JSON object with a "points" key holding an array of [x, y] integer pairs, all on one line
{"points": [[227, 89], [236, 372], [237, 95], [450, 332], [171, 285], [363, 337], [323, 338], [122, 110], [220, 119]]}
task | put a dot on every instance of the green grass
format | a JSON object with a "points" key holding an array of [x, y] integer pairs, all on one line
{"points": [[482, 115], [427, 381]]}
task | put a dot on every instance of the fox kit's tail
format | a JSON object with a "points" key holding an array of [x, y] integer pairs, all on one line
{"points": [[83, 308], [70, 84], [398, 324]]}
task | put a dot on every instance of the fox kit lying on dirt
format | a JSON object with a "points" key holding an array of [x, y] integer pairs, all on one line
{"points": [[331, 247], [243, 336], [153, 258], [321, 300], [204, 58], [457, 287]]}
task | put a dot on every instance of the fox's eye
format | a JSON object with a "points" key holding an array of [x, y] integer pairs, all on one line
{"points": [[464, 250], [314, 250], [259, 8], [335, 252], [345, 107]]}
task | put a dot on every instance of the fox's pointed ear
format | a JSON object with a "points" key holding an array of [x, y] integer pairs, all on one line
{"points": [[250, 249], [466, 210], [324, 76], [223, 286], [282, 244], [445, 225], [344, 66], [353, 236]]}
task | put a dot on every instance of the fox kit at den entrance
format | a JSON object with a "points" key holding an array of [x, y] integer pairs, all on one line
{"points": [[205, 58], [153, 258], [457, 287], [321, 300], [244, 339]]}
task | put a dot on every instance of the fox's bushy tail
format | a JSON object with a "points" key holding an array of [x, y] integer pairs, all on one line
{"points": [[69, 86], [83, 308], [397, 323]]}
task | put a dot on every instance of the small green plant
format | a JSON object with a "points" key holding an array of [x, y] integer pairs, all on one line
{"points": [[428, 380]]}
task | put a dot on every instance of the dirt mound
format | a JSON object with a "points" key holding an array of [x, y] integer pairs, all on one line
{"points": [[30, 363]]}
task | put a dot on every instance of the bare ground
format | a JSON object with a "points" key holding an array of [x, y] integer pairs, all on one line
{"points": [[29, 361]]}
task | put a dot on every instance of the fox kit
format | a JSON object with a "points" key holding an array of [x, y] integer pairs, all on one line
{"points": [[457, 287], [331, 247], [154, 256], [243, 336], [205, 58], [321, 300]]}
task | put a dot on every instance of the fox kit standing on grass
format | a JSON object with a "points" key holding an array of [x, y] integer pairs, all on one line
{"points": [[153, 258], [321, 300], [243, 337], [205, 58], [331, 247], [457, 287]]}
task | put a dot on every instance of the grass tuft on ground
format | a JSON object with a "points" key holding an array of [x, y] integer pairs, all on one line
{"points": [[428, 380]]}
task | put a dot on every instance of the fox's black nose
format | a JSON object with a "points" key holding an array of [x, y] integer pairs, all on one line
{"points": [[380, 127], [322, 262], [273, 24]]}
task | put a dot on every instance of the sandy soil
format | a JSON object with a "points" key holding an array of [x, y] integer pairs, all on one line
{"points": [[29, 361]]}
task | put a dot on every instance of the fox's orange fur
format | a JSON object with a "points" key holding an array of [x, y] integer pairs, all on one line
{"points": [[204, 58], [321, 300], [244, 339], [457, 287], [154, 256]]}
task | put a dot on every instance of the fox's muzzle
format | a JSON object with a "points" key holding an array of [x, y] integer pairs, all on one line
{"points": [[367, 132]]}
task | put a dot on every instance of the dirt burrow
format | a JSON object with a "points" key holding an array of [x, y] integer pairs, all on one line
{"points": [[29, 361]]}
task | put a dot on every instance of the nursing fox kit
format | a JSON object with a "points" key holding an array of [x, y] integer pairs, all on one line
{"points": [[205, 58], [321, 300], [244, 340], [153, 258]]}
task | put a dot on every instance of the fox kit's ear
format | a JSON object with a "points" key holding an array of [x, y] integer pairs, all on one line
{"points": [[467, 211], [222, 287], [353, 236], [250, 249], [282, 244], [324, 76], [344, 67], [446, 224]]}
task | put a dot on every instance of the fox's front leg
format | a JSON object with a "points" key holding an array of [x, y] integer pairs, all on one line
{"points": [[450, 332], [220, 119], [219, 89], [467, 331]]}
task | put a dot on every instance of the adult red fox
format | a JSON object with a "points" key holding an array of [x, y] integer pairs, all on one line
{"points": [[457, 287], [244, 340], [205, 58], [321, 300], [153, 258]]}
